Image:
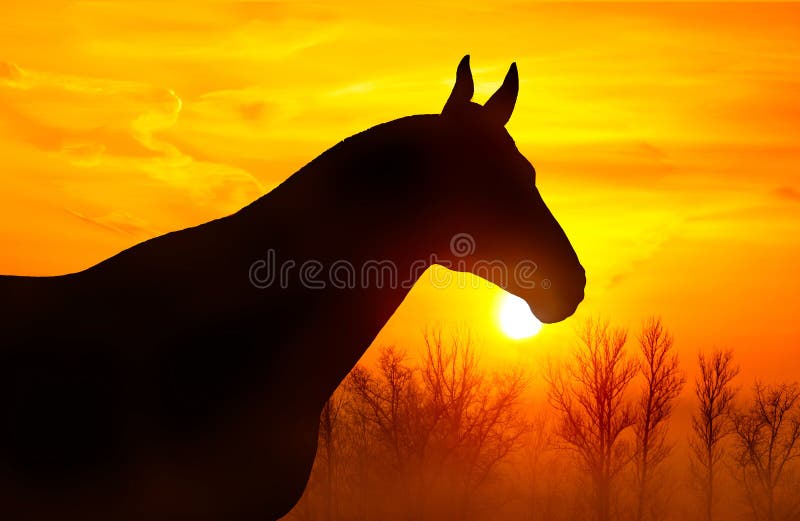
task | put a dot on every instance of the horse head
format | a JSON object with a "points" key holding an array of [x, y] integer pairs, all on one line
{"points": [[499, 225]]}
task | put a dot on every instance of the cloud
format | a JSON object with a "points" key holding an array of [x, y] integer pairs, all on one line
{"points": [[786, 193], [118, 222], [115, 128], [10, 74], [14, 76]]}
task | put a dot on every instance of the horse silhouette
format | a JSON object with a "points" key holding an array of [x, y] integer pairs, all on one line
{"points": [[170, 382]]}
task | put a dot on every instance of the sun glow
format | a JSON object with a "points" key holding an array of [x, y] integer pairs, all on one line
{"points": [[516, 319]]}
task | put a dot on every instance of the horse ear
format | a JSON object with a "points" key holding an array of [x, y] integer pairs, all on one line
{"points": [[501, 104], [464, 87]]}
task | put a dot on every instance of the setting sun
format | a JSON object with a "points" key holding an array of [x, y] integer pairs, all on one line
{"points": [[516, 319]]}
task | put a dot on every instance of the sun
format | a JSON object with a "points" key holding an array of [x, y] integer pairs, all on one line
{"points": [[516, 319]]}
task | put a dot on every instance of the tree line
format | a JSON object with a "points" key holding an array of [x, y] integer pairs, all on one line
{"points": [[441, 438]]}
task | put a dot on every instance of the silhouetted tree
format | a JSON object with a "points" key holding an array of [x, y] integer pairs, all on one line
{"points": [[477, 415], [663, 381], [329, 424], [444, 425], [390, 401], [392, 435], [537, 467], [768, 436], [589, 394], [711, 420], [330, 472]]}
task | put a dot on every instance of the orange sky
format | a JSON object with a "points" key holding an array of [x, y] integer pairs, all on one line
{"points": [[666, 137]]}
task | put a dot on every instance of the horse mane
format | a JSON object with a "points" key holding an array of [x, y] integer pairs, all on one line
{"points": [[352, 161]]}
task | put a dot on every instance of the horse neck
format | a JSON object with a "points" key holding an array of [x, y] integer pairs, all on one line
{"points": [[360, 200], [341, 210]]}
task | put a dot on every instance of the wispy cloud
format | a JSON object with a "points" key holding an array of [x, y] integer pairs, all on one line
{"points": [[787, 193]]}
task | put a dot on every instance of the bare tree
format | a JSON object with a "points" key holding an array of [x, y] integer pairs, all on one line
{"points": [[475, 416], [319, 500], [589, 395], [389, 401], [768, 438], [663, 381], [476, 413], [536, 467], [445, 425], [711, 422], [329, 424], [391, 434]]}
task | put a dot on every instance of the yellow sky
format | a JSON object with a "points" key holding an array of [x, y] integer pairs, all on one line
{"points": [[665, 136]]}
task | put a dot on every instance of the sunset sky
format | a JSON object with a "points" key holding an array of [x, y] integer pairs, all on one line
{"points": [[666, 138]]}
